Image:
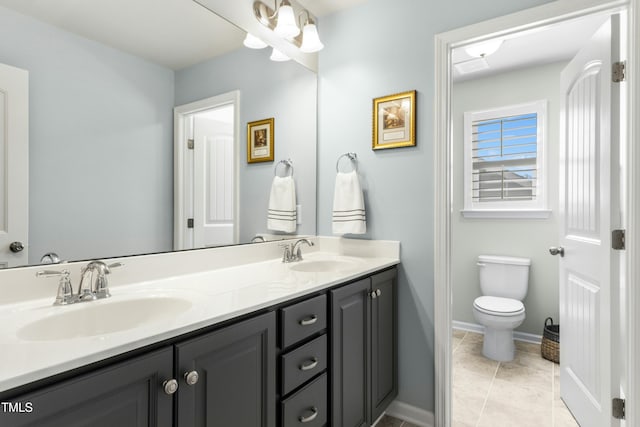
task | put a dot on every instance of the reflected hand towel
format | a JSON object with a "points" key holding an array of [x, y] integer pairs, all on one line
{"points": [[282, 205]]}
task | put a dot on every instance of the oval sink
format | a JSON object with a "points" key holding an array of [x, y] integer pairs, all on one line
{"points": [[100, 318], [323, 266]]}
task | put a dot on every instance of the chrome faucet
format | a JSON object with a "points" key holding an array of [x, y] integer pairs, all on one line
{"points": [[87, 291], [293, 252]]}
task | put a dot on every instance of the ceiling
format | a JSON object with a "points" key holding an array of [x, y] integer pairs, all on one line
{"points": [[555, 43], [173, 33]]}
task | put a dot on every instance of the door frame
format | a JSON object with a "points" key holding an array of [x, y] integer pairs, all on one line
{"points": [[537, 17], [180, 114]]}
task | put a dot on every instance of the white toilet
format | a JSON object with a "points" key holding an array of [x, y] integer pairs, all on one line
{"points": [[503, 281]]}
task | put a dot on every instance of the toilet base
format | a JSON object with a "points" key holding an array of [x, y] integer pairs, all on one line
{"points": [[498, 344]]}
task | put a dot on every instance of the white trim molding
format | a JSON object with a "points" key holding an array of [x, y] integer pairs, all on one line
{"points": [[547, 14], [410, 413], [479, 329]]}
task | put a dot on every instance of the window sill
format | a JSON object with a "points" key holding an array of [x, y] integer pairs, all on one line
{"points": [[507, 214]]}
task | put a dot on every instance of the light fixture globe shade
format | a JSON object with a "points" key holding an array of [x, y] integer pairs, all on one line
{"points": [[310, 39], [278, 56], [286, 26], [480, 50], [253, 42]]}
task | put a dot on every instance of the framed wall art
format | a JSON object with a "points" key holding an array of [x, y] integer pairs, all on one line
{"points": [[260, 141], [394, 121]]}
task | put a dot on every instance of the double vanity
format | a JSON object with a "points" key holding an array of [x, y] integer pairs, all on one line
{"points": [[225, 337]]}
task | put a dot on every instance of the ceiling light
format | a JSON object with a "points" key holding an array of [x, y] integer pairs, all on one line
{"points": [[278, 56], [483, 49], [253, 42], [310, 39], [286, 26]]}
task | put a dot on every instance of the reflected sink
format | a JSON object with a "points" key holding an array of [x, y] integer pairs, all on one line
{"points": [[102, 317], [323, 266]]}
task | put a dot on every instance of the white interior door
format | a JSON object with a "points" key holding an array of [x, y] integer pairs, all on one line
{"points": [[589, 121], [14, 166]]}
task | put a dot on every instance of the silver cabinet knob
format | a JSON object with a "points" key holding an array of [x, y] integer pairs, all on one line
{"points": [[308, 419], [191, 378], [556, 250], [16, 247], [378, 292], [373, 295], [170, 386]]}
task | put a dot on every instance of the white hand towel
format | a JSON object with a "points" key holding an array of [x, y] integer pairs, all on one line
{"points": [[348, 205], [282, 205]]}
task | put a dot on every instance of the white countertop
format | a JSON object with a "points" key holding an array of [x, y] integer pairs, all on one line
{"points": [[207, 298]]}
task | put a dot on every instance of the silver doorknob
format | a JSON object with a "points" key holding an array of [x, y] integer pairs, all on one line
{"points": [[556, 251], [170, 386], [191, 378], [16, 247]]}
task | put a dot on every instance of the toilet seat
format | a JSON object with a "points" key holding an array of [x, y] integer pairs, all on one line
{"points": [[498, 306]]}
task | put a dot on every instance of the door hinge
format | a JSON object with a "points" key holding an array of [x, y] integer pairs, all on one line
{"points": [[617, 71], [190, 144], [617, 240], [190, 223], [617, 408]]}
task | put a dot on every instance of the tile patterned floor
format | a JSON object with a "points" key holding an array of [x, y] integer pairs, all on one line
{"points": [[524, 392], [388, 421]]}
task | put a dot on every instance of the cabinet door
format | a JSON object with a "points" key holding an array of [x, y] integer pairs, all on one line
{"points": [[384, 354], [350, 355], [128, 394], [236, 368]]}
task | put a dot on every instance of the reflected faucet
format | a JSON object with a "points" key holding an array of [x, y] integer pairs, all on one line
{"points": [[258, 239]]}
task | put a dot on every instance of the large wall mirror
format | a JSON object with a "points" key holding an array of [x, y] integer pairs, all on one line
{"points": [[103, 80]]}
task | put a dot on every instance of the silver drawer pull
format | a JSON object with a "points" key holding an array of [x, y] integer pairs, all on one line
{"points": [[309, 320], [310, 417], [310, 364]]}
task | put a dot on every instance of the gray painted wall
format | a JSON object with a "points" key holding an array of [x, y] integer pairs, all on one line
{"points": [[373, 50], [285, 91], [529, 238], [100, 136]]}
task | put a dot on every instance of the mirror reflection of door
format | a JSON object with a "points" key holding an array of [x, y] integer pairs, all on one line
{"points": [[14, 166], [208, 142]]}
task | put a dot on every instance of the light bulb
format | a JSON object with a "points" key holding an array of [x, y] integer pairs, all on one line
{"points": [[278, 56], [253, 42], [310, 39], [286, 26]]}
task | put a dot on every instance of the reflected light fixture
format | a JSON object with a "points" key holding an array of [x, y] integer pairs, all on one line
{"points": [[483, 49], [278, 56], [253, 42], [286, 26]]}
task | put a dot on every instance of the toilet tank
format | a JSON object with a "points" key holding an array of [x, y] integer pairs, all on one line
{"points": [[504, 276]]}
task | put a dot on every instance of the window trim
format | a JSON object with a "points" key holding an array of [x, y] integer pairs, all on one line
{"points": [[507, 209]]}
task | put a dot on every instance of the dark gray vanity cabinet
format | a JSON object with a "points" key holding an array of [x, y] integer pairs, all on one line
{"points": [[236, 376], [128, 394], [364, 349]]}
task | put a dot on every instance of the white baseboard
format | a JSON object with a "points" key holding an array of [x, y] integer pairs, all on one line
{"points": [[412, 414], [474, 327]]}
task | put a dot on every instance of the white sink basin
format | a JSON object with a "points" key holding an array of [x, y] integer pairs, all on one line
{"points": [[323, 266], [102, 317]]}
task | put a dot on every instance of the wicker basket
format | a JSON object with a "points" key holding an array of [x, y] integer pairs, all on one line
{"points": [[551, 341]]}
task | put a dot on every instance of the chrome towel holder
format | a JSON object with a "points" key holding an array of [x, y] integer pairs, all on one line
{"points": [[354, 159], [288, 164]]}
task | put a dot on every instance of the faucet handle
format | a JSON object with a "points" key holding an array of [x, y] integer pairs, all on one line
{"points": [[65, 290]]}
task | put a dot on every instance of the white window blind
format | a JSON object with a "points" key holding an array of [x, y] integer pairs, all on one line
{"points": [[503, 152], [505, 158]]}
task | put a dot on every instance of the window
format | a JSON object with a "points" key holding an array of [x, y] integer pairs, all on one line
{"points": [[504, 174]]}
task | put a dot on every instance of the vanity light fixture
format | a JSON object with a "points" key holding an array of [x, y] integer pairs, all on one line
{"points": [[253, 42], [483, 49], [286, 26], [278, 56]]}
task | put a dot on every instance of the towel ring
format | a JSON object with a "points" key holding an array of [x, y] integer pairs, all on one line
{"points": [[352, 156], [288, 164]]}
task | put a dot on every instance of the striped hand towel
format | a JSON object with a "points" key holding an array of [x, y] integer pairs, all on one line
{"points": [[348, 205], [282, 205]]}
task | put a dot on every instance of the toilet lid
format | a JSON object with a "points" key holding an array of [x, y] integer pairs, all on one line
{"points": [[499, 306]]}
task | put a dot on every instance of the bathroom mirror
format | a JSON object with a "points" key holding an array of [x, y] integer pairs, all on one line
{"points": [[104, 78]]}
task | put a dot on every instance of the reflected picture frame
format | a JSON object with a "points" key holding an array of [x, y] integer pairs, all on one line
{"points": [[260, 141], [394, 121]]}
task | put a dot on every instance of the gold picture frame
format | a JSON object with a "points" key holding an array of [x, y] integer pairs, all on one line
{"points": [[394, 121], [260, 141]]}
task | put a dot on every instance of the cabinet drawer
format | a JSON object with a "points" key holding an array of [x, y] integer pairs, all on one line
{"points": [[303, 363], [308, 407], [303, 319]]}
